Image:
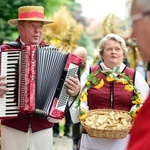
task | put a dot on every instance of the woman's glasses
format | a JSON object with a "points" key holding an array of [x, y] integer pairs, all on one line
{"points": [[136, 17]]}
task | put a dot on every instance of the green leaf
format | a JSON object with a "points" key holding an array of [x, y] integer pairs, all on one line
{"points": [[88, 86], [90, 76], [117, 69]]}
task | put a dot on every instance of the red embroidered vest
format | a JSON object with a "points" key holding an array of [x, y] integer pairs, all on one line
{"points": [[111, 95]]}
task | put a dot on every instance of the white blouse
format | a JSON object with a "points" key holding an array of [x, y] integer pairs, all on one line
{"points": [[90, 143]]}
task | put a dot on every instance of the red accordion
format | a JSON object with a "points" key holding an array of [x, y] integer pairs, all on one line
{"points": [[35, 78]]}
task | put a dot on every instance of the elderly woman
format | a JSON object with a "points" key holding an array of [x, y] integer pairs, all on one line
{"points": [[111, 94]]}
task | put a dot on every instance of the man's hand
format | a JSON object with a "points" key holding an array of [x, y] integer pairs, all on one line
{"points": [[73, 85], [3, 88]]}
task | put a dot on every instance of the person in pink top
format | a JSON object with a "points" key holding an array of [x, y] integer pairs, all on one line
{"points": [[140, 17], [30, 132]]}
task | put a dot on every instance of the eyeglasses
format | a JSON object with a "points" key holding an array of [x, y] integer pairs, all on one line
{"points": [[138, 16]]}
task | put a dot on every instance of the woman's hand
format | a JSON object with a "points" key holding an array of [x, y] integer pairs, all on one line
{"points": [[73, 85]]}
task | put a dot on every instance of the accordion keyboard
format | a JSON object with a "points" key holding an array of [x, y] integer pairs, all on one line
{"points": [[9, 68], [64, 94]]}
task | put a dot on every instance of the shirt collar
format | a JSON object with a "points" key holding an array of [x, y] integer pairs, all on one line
{"points": [[104, 67], [22, 43]]}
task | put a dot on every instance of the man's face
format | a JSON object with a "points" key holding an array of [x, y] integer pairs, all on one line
{"points": [[141, 31], [83, 55], [31, 32]]}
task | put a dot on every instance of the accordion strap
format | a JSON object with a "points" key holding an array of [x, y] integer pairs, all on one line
{"points": [[14, 44], [69, 106]]}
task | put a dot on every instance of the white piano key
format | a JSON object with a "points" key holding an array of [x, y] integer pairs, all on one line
{"points": [[9, 108], [9, 66], [11, 100], [9, 63]]}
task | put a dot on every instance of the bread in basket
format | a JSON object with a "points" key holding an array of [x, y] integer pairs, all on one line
{"points": [[107, 123]]}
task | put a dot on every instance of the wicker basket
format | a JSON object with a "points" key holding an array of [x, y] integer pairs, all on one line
{"points": [[112, 130]]}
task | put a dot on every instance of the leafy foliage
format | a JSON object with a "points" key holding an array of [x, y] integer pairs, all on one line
{"points": [[9, 10]]}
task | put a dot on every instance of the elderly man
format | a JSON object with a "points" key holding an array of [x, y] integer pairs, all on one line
{"points": [[140, 17], [82, 53], [30, 132]]}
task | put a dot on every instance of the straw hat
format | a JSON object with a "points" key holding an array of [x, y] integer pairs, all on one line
{"points": [[31, 13]]}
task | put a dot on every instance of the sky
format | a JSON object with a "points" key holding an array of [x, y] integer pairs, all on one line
{"points": [[101, 8]]}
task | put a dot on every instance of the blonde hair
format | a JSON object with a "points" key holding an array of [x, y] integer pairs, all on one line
{"points": [[114, 37]]}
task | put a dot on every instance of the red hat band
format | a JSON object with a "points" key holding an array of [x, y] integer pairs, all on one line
{"points": [[31, 15]]}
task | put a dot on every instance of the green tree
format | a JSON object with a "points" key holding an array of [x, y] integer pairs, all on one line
{"points": [[9, 10]]}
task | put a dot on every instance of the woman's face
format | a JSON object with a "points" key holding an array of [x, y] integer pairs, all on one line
{"points": [[112, 54]]}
